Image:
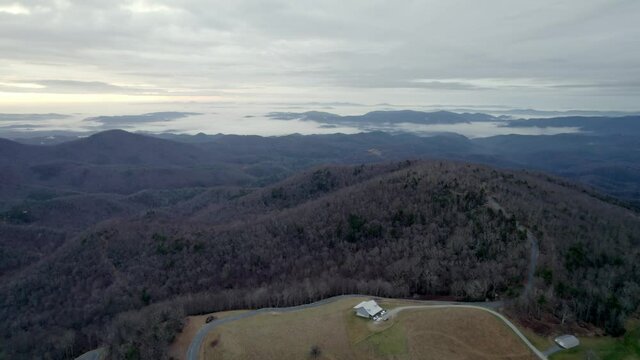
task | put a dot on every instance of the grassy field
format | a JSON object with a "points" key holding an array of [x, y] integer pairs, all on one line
{"points": [[337, 333], [414, 334], [460, 334], [607, 348], [178, 349]]}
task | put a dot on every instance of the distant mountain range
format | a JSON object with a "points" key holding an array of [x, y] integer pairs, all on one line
{"points": [[533, 113], [618, 123], [605, 155], [392, 121], [623, 125], [386, 117]]}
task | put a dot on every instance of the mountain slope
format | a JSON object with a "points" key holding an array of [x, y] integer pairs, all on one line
{"points": [[402, 229], [109, 162], [121, 147], [608, 163]]}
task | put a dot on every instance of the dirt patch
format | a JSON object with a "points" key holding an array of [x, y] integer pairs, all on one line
{"points": [[215, 341]]}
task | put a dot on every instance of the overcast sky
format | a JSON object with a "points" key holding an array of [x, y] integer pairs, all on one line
{"points": [[545, 54]]}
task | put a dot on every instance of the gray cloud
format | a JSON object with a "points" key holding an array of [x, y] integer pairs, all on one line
{"points": [[70, 86], [32, 117], [20, 127], [73, 87], [543, 53], [121, 121]]}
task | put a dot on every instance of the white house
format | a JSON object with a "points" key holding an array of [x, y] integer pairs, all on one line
{"points": [[368, 309], [567, 341]]}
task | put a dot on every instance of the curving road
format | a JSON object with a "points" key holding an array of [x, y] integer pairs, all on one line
{"points": [[552, 350], [198, 340]]}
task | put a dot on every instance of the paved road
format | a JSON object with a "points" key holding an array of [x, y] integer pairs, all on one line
{"points": [[552, 350], [198, 340]]}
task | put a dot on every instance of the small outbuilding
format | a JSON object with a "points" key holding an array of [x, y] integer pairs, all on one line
{"points": [[567, 341], [368, 309]]}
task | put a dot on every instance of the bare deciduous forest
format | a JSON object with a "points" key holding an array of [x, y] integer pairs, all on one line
{"points": [[400, 230]]}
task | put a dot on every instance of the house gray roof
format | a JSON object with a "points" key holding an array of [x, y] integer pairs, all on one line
{"points": [[371, 307], [567, 341]]}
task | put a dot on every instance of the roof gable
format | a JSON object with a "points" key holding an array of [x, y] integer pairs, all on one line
{"points": [[371, 307]]}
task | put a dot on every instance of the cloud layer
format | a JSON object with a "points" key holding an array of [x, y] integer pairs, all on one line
{"points": [[546, 54]]}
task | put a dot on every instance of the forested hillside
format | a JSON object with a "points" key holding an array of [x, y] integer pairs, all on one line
{"points": [[400, 229]]}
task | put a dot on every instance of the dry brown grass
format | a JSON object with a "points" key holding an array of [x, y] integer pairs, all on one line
{"points": [[460, 334], [413, 334], [286, 336], [178, 350]]}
